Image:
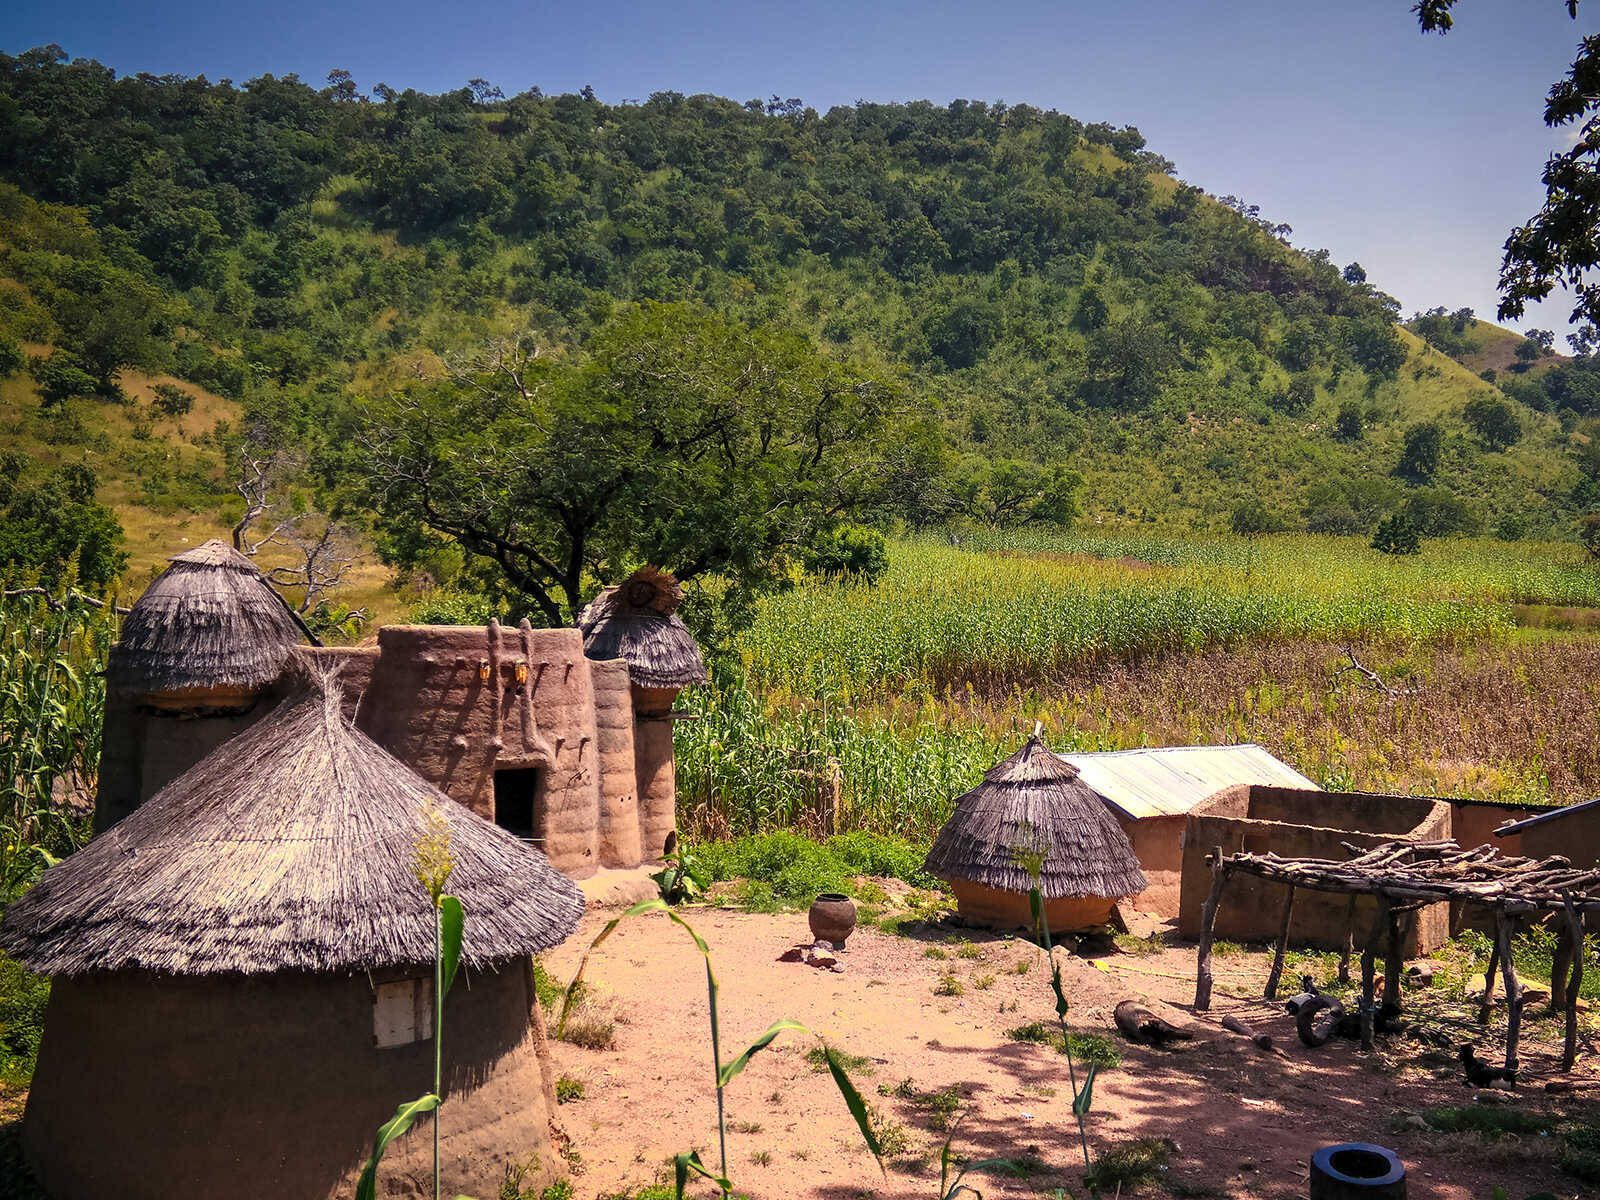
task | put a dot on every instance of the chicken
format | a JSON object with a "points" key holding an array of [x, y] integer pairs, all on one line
{"points": [[1480, 1074]]}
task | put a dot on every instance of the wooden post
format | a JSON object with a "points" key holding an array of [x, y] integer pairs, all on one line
{"points": [[1368, 956], [1394, 959], [1208, 922], [1569, 1050], [1502, 937], [1349, 940], [1561, 965], [1282, 947], [1488, 979]]}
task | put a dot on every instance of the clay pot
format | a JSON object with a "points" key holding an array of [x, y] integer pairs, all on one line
{"points": [[832, 918]]}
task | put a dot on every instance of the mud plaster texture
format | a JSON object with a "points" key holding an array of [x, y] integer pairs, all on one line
{"points": [[199, 1087]]}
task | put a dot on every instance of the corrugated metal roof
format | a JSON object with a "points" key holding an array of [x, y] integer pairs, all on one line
{"points": [[1169, 781]]}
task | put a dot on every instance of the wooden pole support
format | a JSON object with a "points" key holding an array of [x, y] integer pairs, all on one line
{"points": [[1502, 937], [1569, 1050], [1380, 924], [1349, 940], [1271, 990], [1561, 963], [1394, 958], [1208, 923], [1488, 977]]}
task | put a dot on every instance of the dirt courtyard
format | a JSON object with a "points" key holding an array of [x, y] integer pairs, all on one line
{"points": [[1241, 1122]]}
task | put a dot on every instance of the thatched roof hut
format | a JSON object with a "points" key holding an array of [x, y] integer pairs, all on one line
{"points": [[1034, 802], [291, 848], [262, 912], [209, 623], [637, 621]]}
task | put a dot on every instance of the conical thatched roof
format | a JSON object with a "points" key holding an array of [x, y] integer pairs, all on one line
{"points": [[208, 621], [637, 620], [1035, 801], [291, 847]]}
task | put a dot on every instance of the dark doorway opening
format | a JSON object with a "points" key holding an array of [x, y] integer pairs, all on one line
{"points": [[516, 800]]}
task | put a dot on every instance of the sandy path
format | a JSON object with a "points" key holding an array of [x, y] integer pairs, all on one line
{"points": [[1244, 1123]]}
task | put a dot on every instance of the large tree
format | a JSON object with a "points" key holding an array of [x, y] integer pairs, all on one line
{"points": [[1560, 244], [674, 437]]}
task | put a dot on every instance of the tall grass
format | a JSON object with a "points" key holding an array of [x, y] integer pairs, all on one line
{"points": [[918, 684], [945, 619]]}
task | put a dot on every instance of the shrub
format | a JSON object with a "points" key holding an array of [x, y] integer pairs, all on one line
{"points": [[568, 1090], [171, 401], [1419, 457], [851, 550], [1494, 421], [1397, 535], [1348, 424]]}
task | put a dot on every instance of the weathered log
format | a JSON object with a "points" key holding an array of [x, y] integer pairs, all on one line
{"points": [[1349, 940], [1394, 960], [1488, 979]]}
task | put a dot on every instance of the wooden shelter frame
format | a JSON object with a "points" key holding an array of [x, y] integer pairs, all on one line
{"points": [[1403, 877]]}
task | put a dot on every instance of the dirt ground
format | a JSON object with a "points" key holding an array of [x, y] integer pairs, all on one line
{"points": [[1241, 1122]]}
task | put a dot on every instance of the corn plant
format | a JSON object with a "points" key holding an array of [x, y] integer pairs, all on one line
{"points": [[433, 865], [689, 1163], [52, 702], [1032, 861]]}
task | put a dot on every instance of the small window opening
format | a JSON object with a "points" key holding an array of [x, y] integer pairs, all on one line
{"points": [[516, 800], [402, 1012]]}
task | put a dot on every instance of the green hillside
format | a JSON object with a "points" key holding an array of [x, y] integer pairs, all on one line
{"points": [[1041, 294]]}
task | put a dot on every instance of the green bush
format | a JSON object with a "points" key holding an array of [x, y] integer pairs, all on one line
{"points": [[788, 868], [22, 1003]]}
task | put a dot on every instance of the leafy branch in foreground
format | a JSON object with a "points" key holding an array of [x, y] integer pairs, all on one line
{"points": [[689, 1162]]}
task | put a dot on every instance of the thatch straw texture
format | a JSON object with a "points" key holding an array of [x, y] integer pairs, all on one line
{"points": [[637, 621], [291, 847], [208, 621], [1033, 801]]}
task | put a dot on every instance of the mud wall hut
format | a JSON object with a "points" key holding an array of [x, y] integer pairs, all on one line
{"points": [[1034, 802], [566, 744], [637, 622], [241, 982]]}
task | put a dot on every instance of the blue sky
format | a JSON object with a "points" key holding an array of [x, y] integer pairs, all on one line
{"points": [[1414, 155]]}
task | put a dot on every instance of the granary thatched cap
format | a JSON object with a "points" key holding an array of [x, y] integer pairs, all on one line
{"points": [[290, 848], [1035, 801], [209, 621], [637, 620]]}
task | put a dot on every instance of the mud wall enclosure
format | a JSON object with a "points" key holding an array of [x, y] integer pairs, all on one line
{"points": [[198, 1085], [1302, 824]]}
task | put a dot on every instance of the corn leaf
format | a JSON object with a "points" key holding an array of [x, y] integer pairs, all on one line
{"points": [[856, 1105], [726, 1074], [643, 906], [689, 1161], [451, 921], [1081, 1102], [404, 1117]]}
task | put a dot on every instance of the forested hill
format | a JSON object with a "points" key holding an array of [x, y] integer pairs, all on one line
{"points": [[1055, 303]]}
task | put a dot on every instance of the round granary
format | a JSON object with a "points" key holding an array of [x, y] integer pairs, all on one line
{"points": [[209, 631], [1034, 804]]}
